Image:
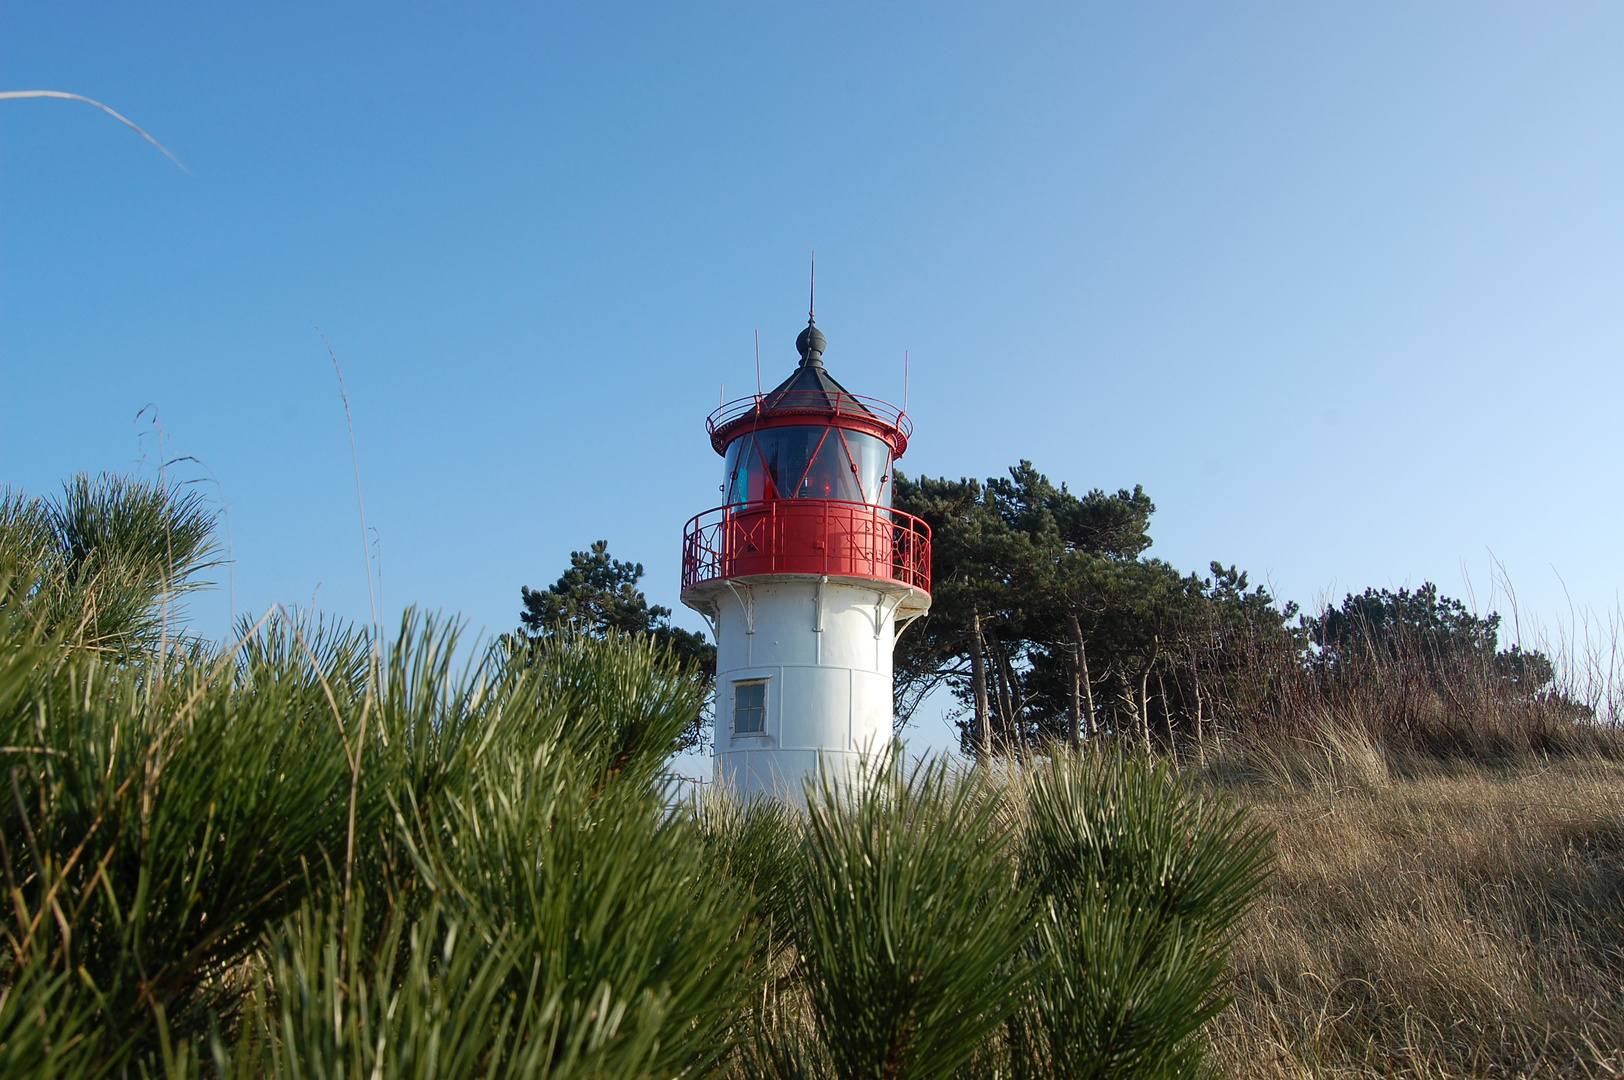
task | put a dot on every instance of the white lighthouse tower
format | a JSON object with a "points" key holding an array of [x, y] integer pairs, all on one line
{"points": [[807, 575]]}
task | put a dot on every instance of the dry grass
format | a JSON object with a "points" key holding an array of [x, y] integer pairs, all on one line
{"points": [[1429, 920]]}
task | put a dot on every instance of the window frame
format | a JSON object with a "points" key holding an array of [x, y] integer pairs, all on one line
{"points": [[760, 710]]}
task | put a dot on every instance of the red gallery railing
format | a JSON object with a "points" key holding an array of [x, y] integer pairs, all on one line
{"points": [[806, 536]]}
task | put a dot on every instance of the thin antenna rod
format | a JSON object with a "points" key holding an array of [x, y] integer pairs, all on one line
{"points": [[812, 296], [721, 394], [758, 363], [904, 380]]}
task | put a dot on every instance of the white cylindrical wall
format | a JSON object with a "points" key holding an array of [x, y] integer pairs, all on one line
{"points": [[822, 651]]}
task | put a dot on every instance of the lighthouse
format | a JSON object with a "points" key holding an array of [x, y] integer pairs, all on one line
{"points": [[807, 576]]}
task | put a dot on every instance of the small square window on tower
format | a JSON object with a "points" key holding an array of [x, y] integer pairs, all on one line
{"points": [[750, 707]]}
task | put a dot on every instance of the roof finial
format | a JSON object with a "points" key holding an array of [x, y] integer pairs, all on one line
{"points": [[811, 343]]}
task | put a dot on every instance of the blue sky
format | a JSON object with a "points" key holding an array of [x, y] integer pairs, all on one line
{"points": [[1340, 284]]}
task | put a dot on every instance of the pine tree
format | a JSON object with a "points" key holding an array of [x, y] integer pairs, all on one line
{"points": [[598, 597]]}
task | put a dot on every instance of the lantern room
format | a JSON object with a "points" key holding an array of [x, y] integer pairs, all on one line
{"points": [[806, 484]]}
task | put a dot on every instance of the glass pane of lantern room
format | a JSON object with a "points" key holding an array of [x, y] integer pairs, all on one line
{"points": [[772, 464], [761, 464], [872, 457], [829, 476], [788, 453], [749, 477], [736, 475]]}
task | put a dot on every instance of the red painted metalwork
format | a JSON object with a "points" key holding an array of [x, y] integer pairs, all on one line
{"points": [[851, 411], [806, 536]]}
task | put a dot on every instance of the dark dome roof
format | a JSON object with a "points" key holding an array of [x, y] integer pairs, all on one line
{"points": [[811, 389]]}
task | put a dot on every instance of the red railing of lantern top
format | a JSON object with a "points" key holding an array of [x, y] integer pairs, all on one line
{"points": [[806, 536], [851, 411]]}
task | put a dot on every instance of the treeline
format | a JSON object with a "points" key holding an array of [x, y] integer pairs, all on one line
{"points": [[1049, 623]]}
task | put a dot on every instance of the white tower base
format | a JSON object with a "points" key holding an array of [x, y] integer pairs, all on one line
{"points": [[816, 652]]}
